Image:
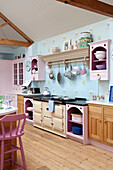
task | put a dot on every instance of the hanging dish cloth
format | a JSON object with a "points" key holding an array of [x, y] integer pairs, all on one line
{"points": [[51, 105]]}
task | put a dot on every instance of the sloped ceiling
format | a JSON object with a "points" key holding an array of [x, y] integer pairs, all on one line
{"points": [[41, 19]]}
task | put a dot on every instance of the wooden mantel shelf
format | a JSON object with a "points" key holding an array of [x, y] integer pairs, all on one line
{"points": [[75, 54]]}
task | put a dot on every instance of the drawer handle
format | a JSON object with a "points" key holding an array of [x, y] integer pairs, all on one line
{"points": [[47, 109], [48, 117]]}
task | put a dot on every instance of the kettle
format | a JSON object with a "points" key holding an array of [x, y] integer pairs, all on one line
{"points": [[46, 91]]}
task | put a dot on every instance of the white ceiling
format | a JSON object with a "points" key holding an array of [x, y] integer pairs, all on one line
{"points": [[41, 19]]}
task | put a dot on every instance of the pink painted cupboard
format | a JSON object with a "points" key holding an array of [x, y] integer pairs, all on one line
{"points": [[99, 60], [5, 76], [18, 74], [37, 68]]}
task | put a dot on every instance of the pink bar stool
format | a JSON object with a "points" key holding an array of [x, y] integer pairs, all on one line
{"points": [[10, 134]]}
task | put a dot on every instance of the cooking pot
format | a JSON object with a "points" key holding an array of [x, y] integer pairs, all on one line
{"points": [[51, 76]]}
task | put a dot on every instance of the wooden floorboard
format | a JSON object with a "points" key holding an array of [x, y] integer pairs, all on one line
{"points": [[46, 151]]}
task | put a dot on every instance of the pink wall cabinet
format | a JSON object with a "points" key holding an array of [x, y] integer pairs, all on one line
{"points": [[18, 70], [99, 60], [37, 68]]}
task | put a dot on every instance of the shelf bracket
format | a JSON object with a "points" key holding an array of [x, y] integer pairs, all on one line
{"points": [[86, 61]]}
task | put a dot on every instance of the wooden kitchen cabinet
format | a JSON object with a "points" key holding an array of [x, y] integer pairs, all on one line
{"points": [[108, 125], [95, 122], [101, 123], [20, 103], [54, 122]]}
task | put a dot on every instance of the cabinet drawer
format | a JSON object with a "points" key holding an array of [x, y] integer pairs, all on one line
{"points": [[37, 106], [95, 109], [58, 124], [58, 111], [47, 121], [37, 119], [108, 111]]}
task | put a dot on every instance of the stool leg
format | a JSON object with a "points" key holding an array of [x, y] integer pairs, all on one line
{"points": [[2, 155], [22, 153], [12, 156]]}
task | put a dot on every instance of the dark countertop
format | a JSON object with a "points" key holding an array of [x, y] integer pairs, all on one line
{"points": [[61, 100]]}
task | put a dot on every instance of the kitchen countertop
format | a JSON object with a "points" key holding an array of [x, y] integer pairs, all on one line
{"points": [[58, 101], [4, 112], [100, 102]]}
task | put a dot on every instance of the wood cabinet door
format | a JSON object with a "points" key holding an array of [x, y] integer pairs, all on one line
{"points": [[20, 103], [108, 125], [95, 126], [20, 107]]}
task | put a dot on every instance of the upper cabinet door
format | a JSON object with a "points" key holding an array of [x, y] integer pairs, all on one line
{"points": [[37, 68], [18, 67], [21, 73], [15, 72], [99, 60]]}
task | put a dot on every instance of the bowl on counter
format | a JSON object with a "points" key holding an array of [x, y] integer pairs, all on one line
{"points": [[101, 67], [100, 55]]}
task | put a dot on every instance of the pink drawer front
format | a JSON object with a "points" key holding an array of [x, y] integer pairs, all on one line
{"points": [[103, 75]]}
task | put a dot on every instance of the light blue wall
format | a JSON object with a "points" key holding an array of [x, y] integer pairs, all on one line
{"points": [[6, 53], [81, 86]]}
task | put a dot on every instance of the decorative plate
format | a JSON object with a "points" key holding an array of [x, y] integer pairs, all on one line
{"points": [[28, 66]]}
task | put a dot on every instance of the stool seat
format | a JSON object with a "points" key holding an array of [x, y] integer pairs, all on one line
{"points": [[14, 134]]}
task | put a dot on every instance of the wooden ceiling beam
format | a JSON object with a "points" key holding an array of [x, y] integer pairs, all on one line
{"points": [[92, 5], [16, 28], [2, 25], [14, 42]]}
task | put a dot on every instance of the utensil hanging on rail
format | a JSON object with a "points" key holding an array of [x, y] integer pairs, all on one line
{"points": [[59, 77]]}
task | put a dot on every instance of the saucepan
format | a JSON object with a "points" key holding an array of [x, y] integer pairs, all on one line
{"points": [[76, 70], [59, 77], [69, 74], [51, 76]]}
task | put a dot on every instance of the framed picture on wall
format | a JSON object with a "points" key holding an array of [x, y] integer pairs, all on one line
{"points": [[66, 45], [111, 94]]}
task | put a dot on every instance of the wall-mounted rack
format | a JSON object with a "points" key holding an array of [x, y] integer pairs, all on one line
{"points": [[71, 56]]}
